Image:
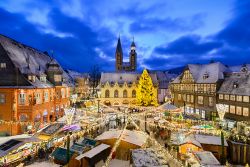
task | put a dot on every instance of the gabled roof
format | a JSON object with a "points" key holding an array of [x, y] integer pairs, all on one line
{"points": [[215, 72], [209, 139], [242, 82], [124, 77], [28, 59]]}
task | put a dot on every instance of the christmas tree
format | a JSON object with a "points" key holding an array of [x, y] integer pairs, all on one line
{"points": [[146, 94]]}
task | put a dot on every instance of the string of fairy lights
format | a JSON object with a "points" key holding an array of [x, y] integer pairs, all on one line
{"points": [[158, 147]]}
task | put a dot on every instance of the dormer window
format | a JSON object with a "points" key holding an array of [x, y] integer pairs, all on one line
{"points": [[205, 76], [58, 78], [2, 65], [32, 78], [43, 78], [235, 85]]}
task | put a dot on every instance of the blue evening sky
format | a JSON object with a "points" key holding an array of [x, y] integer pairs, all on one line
{"points": [[167, 33]]}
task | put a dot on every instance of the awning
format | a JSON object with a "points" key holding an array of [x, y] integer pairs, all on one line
{"points": [[167, 106], [60, 154], [44, 137], [91, 153]]}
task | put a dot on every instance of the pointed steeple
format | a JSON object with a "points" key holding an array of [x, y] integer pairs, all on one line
{"points": [[133, 43], [119, 47]]}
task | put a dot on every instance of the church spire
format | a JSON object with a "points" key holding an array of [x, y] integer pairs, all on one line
{"points": [[119, 46]]}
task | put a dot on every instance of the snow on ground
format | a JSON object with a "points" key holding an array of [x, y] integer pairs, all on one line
{"points": [[43, 164]]}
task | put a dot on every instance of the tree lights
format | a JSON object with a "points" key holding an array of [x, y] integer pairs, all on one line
{"points": [[221, 109]]}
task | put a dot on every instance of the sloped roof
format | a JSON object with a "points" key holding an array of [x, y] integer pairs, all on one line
{"points": [[124, 77], [74, 74], [94, 151], [243, 84], [133, 137], [23, 56], [209, 139], [215, 72], [206, 158]]}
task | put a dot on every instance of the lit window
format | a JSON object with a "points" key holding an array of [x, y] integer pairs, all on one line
{"points": [[179, 97], [192, 98], [239, 110], [58, 78], [245, 98], [239, 98], [125, 94], [133, 93], [200, 99], [245, 111], [62, 93], [2, 98], [210, 101], [221, 96], [107, 94], [232, 109], [22, 97], [226, 97], [2, 65], [46, 96], [116, 94], [232, 97], [38, 98]]}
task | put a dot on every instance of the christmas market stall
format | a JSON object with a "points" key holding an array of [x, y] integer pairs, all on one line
{"points": [[16, 148]]}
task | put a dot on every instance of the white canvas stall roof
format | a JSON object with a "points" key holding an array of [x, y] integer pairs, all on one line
{"points": [[133, 137], [206, 158], [94, 151], [207, 139], [167, 106]]}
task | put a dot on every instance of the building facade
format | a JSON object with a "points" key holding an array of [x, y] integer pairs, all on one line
{"points": [[235, 92], [121, 66], [120, 88], [196, 89], [33, 89]]}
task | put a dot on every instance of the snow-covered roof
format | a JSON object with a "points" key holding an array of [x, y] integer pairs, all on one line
{"points": [[27, 59], [178, 139], [214, 71], [94, 151], [74, 74], [242, 82], [206, 158], [147, 157], [208, 139], [124, 77], [238, 68], [133, 137]]}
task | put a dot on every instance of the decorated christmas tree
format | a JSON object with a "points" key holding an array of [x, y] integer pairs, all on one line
{"points": [[146, 94]]}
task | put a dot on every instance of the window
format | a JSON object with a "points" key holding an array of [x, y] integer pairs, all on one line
{"points": [[245, 111], [232, 109], [221, 96], [125, 94], [107, 94], [46, 96], [188, 98], [245, 98], [239, 110], [232, 97], [58, 78], [200, 99], [43, 79], [133, 93], [239, 98], [192, 98], [226, 97], [22, 97], [2, 65], [38, 98], [62, 93], [2, 98], [210, 101], [116, 94], [179, 97]]}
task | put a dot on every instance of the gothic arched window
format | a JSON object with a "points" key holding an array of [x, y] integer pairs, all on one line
{"points": [[107, 93], [133, 93], [116, 94], [125, 93]]}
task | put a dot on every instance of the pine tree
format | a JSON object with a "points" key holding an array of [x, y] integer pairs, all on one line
{"points": [[145, 93]]}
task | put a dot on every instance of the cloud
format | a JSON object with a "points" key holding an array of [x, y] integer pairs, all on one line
{"points": [[188, 45], [150, 25]]}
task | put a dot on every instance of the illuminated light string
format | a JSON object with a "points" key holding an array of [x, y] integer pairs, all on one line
{"points": [[116, 145], [158, 147]]}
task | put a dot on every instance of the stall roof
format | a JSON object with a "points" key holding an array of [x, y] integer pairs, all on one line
{"points": [[147, 157], [91, 153], [15, 142], [209, 139], [60, 154], [133, 137], [206, 158]]}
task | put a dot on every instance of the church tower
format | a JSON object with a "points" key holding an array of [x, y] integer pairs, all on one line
{"points": [[119, 56], [132, 56]]}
